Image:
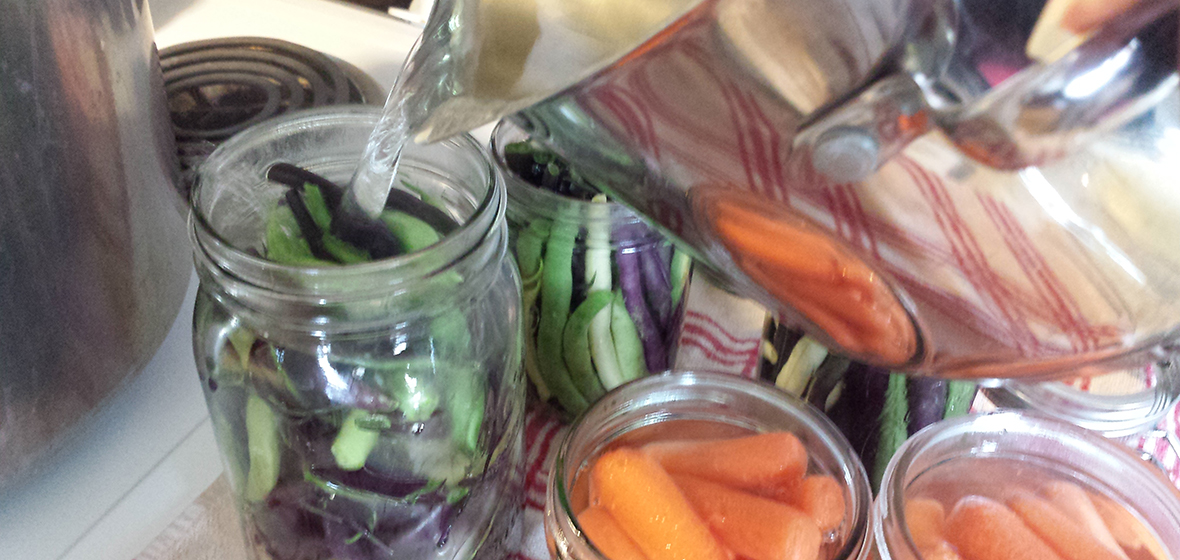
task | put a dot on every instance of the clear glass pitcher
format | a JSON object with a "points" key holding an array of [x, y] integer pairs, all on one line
{"points": [[887, 174]]}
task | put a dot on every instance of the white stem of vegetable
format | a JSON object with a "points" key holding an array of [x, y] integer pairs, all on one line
{"points": [[598, 277], [805, 357]]}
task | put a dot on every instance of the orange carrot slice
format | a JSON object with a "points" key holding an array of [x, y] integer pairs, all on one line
{"points": [[747, 462], [1068, 538], [984, 529], [817, 495], [650, 508], [605, 534], [754, 527], [1075, 503]]}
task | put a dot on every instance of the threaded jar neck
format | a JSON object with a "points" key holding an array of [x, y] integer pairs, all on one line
{"points": [[231, 199]]}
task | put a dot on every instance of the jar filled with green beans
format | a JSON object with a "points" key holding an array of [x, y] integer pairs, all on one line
{"points": [[603, 293], [367, 406]]}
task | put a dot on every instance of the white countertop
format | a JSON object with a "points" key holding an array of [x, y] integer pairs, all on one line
{"points": [[146, 455]]}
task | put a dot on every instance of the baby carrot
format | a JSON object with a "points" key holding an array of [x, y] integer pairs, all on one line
{"points": [[825, 282], [1135, 537], [817, 495], [926, 523], [925, 519], [745, 462], [605, 534], [1069, 539], [754, 527], [647, 504], [984, 529], [1075, 503], [1086, 15]]}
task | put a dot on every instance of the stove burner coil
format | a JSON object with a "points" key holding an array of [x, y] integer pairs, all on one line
{"points": [[219, 87]]}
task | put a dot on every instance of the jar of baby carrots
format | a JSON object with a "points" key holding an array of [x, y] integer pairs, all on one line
{"points": [[699, 466], [1014, 485]]}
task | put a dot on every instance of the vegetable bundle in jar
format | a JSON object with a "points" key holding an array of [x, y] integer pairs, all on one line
{"points": [[367, 401], [603, 293], [875, 408]]}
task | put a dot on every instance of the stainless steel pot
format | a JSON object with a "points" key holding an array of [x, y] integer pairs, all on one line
{"points": [[93, 260]]}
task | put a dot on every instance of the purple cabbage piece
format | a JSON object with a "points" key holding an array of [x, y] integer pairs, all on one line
{"points": [[401, 530], [284, 527], [396, 486]]}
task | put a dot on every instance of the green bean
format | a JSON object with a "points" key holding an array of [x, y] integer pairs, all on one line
{"points": [[262, 443], [556, 291], [465, 405], [892, 432], [681, 269], [413, 233], [311, 199], [628, 346], [599, 277], [529, 294], [602, 350], [344, 251], [576, 344], [449, 332], [242, 341], [353, 442], [285, 243], [959, 397], [529, 246]]}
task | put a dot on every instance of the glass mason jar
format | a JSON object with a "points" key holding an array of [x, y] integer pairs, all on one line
{"points": [[700, 406], [603, 291], [1120, 405], [1031, 464], [363, 411]]}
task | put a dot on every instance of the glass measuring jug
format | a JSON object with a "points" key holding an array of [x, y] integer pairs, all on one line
{"points": [[767, 135]]}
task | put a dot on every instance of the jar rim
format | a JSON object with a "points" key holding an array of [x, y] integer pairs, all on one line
{"points": [[542, 201], [259, 272], [858, 536], [890, 501], [1113, 415]]}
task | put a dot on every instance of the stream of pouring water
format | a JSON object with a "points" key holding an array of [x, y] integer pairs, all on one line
{"points": [[377, 169], [479, 60]]}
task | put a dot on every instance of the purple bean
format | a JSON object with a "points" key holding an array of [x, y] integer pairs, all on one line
{"points": [[657, 286], [655, 353], [927, 400]]}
